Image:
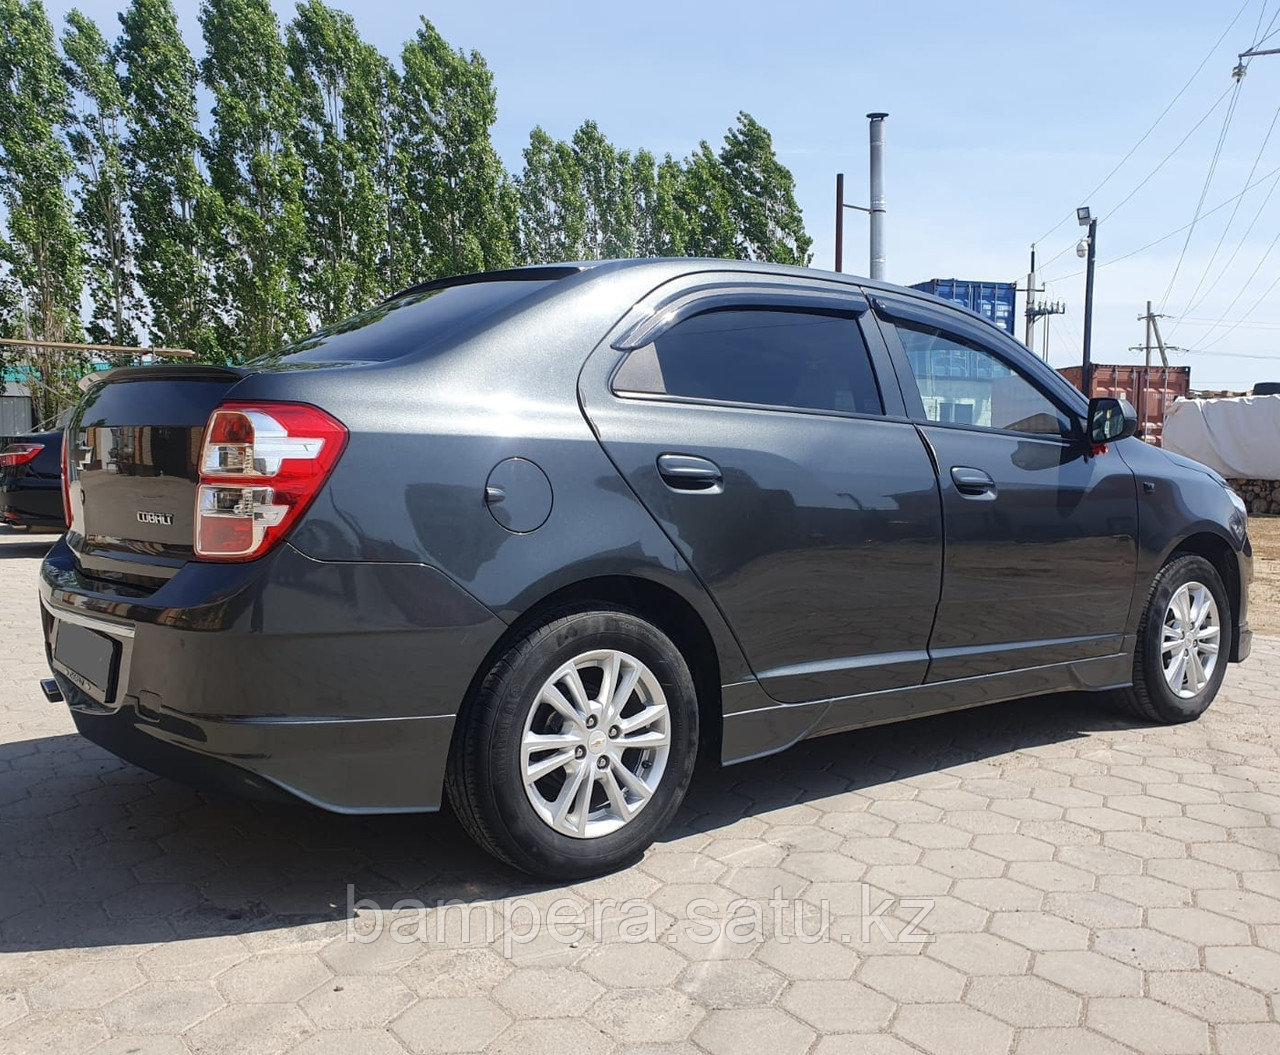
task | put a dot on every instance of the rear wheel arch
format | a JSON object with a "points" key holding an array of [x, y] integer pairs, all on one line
{"points": [[655, 603]]}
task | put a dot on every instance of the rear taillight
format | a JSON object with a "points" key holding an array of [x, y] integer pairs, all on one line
{"points": [[261, 464], [19, 454]]}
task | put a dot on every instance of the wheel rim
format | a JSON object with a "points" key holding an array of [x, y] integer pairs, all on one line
{"points": [[1191, 636], [595, 744]]}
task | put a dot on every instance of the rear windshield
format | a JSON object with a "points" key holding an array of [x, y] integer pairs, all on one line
{"points": [[415, 322]]}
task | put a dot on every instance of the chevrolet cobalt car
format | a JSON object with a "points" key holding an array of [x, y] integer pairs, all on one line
{"points": [[531, 541]]}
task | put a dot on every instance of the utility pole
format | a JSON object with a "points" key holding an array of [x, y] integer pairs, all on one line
{"points": [[840, 208], [1152, 320], [1038, 308], [1031, 292], [1083, 216], [875, 210]]}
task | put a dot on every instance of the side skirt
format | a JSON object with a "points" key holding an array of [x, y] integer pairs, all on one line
{"points": [[772, 727]]}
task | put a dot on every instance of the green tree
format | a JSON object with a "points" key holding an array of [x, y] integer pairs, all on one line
{"points": [[703, 197], [40, 244], [553, 212], [257, 175], [608, 195], [342, 87], [96, 137], [169, 195], [450, 174], [762, 199]]}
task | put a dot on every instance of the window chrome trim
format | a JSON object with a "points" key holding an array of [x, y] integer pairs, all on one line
{"points": [[658, 318]]}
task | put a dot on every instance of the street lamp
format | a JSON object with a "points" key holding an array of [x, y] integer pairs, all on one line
{"points": [[1087, 248]]}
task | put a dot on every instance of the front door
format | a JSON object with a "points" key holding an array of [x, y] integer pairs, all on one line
{"points": [[757, 437], [1040, 532]]}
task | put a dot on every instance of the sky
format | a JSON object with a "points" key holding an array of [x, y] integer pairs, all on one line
{"points": [[1004, 117]]}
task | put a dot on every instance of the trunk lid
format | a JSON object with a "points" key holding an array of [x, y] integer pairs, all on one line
{"points": [[133, 446]]}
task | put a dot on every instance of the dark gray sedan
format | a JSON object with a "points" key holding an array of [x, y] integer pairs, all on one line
{"points": [[532, 540]]}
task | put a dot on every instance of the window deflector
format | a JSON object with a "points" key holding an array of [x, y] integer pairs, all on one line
{"points": [[658, 318]]}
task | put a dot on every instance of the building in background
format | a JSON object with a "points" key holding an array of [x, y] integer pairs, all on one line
{"points": [[15, 408], [991, 300]]}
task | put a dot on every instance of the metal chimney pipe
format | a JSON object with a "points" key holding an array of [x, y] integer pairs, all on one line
{"points": [[877, 194]]}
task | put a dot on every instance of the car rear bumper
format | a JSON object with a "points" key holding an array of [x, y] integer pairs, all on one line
{"points": [[336, 682]]}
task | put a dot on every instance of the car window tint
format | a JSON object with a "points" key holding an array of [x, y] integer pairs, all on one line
{"points": [[964, 384], [426, 321], [799, 359]]}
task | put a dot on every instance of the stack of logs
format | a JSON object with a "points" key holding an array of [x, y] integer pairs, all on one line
{"points": [[1260, 496]]}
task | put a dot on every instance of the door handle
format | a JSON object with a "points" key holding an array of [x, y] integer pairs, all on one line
{"points": [[687, 472], [973, 483]]}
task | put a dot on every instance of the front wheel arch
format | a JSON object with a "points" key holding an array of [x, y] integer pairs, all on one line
{"points": [[1219, 552]]}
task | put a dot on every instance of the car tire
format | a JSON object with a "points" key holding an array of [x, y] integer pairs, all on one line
{"points": [[1163, 690], [490, 781]]}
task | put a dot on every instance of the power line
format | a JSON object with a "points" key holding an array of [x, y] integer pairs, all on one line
{"points": [[1150, 175], [1241, 324], [1165, 237], [1163, 113], [1256, 304], [1204, 191], [1192, 303]]}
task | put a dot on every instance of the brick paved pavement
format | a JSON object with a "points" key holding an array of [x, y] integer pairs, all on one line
{"points": [[1096, 887]]}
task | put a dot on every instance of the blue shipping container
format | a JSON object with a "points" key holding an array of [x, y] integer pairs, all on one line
{"points": [[991, 300]]}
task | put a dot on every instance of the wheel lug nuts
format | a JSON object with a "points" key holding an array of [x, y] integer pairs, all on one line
{"points": [[602, 762], [613, 732], [579, 752], [591, 721]]}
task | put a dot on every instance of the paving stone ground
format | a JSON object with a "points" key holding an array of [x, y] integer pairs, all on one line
{"points": [[1089, 886]]}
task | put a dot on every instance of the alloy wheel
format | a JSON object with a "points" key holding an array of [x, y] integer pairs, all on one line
{"points": [[595, 743], [1190, 639]]}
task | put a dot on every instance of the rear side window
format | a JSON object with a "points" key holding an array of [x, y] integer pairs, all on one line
{"points": [[412, 323], [805, 360]]}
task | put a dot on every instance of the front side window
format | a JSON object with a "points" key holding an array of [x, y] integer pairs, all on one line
{"points": [[800, 359], [962, 383]]}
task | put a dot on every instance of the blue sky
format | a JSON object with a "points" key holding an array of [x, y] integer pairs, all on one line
{"points": [[1003, 116]]}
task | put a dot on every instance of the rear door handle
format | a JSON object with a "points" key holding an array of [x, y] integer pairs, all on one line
{"points": [[687, 472], [973, 483]]}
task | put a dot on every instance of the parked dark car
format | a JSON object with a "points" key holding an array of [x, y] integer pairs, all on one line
{"points": [[31, 482], [532, 539]]}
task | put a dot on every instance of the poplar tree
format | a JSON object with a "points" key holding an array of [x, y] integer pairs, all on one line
{"points": [[450, 172], [96, 135], [342, 87], [702, 196], [40, 243], [259, 225], [169, 195], [608, 194], [553, 212], [762, 201]]}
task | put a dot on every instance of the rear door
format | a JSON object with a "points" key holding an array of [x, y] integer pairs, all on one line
{"points": [[1040, 533], [755, 427]]}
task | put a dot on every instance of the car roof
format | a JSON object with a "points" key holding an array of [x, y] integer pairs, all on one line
{"points": [[673, 266]]}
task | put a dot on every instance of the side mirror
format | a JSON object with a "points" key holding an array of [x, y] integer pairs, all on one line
{"points": [[1111, 419]]}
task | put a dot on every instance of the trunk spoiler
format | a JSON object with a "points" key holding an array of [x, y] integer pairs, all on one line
{"points": [[166, 371]]}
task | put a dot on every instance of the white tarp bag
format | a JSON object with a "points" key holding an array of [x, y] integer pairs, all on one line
{"points": [[1238, 437]]}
